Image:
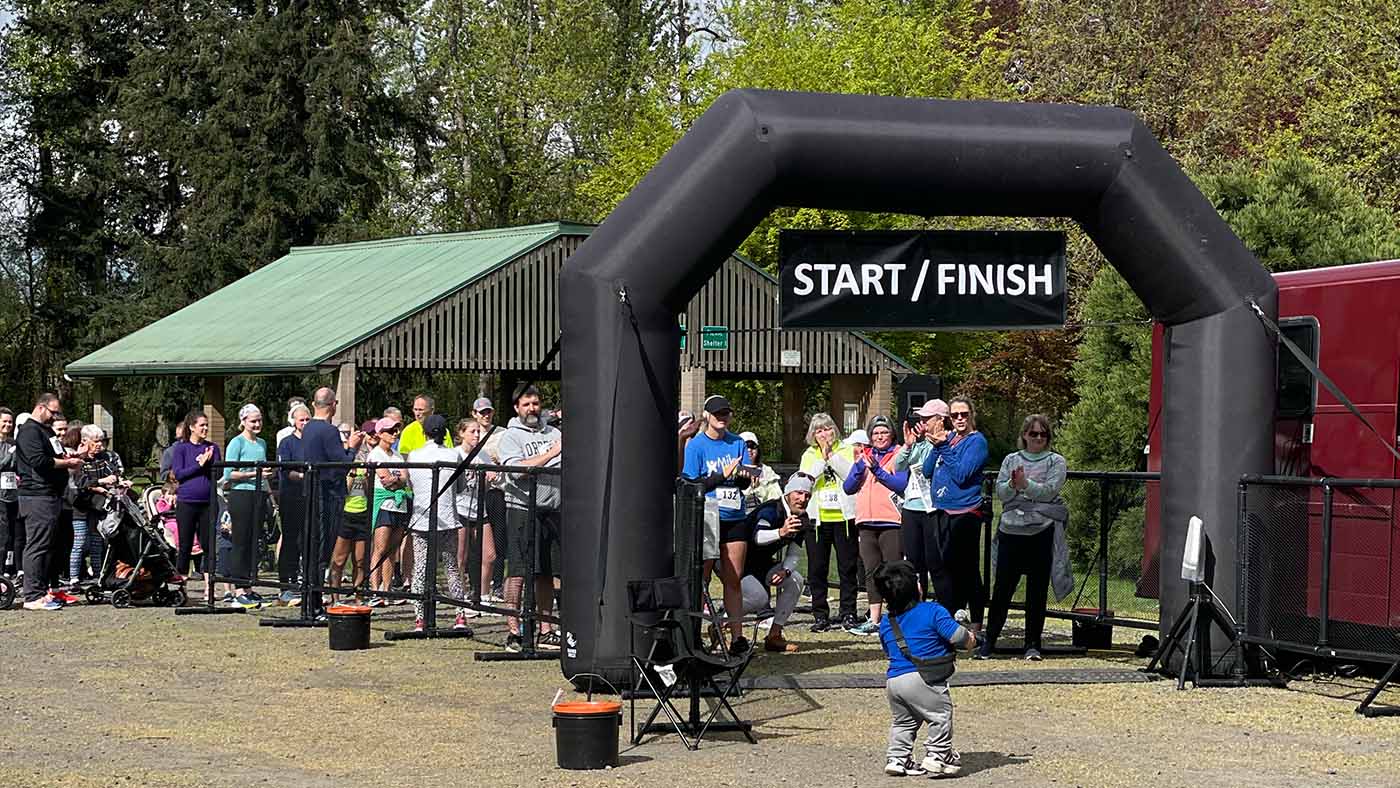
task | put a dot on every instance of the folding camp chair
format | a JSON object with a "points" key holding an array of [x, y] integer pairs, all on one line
{"points": [[672, 641]]}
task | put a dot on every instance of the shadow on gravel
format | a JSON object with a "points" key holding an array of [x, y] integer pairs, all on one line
{"points": [[974, 762]]}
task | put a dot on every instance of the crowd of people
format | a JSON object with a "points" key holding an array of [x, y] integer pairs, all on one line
{"points": [[375, 503], [900, 505], [886, 493]]}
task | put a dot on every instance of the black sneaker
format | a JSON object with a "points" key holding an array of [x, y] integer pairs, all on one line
{"points": [[548, 641], [848, 621], [514, 644], [821, 625], [739, 647]]}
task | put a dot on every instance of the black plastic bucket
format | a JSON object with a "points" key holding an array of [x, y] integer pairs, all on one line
{"points": [[585, 733], [349, 627]]}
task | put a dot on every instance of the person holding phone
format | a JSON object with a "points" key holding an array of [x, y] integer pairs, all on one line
{"points": [[1032, 510], [879, 490], [779, 526], [917, 534], [954, 470]]}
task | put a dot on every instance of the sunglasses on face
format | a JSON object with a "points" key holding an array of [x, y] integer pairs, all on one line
{"points": [[1037, 434], [960, 414], [751, 444]]}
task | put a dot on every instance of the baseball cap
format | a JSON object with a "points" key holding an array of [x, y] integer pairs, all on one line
{"points": [[798, 482], [683, 416], [860, 437], [482, 404], [384, 424], [748, 437], [435, 427], [717, 404], [879, 421], [370, 427], [933, 407]]}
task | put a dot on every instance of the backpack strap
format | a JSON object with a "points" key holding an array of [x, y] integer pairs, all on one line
{"points": [[936, 669]]}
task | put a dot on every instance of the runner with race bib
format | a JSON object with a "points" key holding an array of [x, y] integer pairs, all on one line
{"points": [[714, 457]]}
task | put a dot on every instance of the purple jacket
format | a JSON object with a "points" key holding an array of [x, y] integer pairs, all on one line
{"points": [[194, 479]]}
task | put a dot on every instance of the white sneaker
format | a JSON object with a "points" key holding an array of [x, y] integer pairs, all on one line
{"points": [[947, 766], [466, 612], [905, 768]]}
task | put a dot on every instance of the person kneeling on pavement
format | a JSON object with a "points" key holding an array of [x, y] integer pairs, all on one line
{"points": [[774, 545], [914, 636]]}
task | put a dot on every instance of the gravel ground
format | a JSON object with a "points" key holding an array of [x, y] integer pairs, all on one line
{"points": [[103, 697]]}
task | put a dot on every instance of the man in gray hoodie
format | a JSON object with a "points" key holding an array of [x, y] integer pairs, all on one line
{"points": [[531, 442]]}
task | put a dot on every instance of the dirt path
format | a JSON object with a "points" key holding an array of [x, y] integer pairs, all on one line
{"points": [[99, 697]]}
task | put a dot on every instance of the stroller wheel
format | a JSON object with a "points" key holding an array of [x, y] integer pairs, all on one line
{"points": [[7, 593], [178, 598], [121, 598], [94, 595], [160, 597]]}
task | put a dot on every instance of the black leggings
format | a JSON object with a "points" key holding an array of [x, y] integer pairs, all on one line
{"points": [[11, 536], [1016, 556], [189, 518], [918, 536], [293, 509], [957, 577], [246, 514]]}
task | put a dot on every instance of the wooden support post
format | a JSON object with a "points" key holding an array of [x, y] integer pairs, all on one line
{"points": [[794, 423], [345, 393], [104, 406], [850, 395], [214, 409], [693, 390]]}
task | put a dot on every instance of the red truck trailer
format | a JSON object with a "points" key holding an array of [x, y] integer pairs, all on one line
{"points": [[1348, 319]]}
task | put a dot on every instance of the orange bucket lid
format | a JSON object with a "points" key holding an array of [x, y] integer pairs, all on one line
{"points": [[347, 610], [588, 708]]}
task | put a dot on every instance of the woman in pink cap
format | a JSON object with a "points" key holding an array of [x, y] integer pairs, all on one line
{"points": [[918, 536], [388, 510]]}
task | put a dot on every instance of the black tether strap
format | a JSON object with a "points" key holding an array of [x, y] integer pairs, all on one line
{"points": [[1320, 375]]}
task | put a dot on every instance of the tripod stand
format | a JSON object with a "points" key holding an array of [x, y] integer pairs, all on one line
{"points": [[1193, 624]]}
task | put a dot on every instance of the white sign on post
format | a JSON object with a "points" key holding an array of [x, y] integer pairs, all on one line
{"points": [[791, 358]]}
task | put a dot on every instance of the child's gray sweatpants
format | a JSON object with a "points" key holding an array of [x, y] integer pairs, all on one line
{"points": [[913, 703]]}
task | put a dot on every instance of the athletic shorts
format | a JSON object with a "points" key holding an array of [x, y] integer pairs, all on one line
{"points": [[388, 519], [546, 547], [733, 531], [355, 526]]}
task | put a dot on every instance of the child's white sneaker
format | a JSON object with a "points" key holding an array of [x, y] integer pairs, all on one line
{"points": [[904, 768], [947, 766]]}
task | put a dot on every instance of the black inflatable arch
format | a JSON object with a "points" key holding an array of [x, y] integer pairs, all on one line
{"points": [[756, 150]]}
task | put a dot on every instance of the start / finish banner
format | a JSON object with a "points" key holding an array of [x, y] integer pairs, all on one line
{"points": [[923, 280]]}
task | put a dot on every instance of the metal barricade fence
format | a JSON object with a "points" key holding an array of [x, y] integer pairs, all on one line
{"points": [[309, 518], [1105, 533], [1315, 574], [1315, 563]]}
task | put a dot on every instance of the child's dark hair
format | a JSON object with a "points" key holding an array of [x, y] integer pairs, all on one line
{"points": [[898, 584]]}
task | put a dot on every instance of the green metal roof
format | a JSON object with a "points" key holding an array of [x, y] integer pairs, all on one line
{"points": [[294, 313]]}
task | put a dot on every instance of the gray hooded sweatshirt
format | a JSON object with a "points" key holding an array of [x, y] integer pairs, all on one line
{"points": [[521, 443]]}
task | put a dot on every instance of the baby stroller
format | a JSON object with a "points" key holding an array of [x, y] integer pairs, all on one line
{"points": [[139, 561]]}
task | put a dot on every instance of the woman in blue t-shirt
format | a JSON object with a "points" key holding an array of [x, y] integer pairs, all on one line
{"points": [[928, 632], [247, 500], [715, 457]]}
